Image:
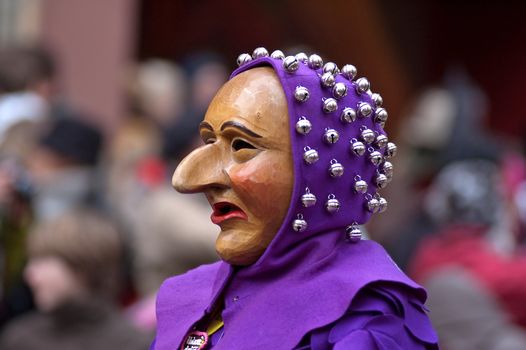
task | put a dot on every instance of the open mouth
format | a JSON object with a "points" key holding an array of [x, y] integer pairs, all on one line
{"points": [[225, 211]]}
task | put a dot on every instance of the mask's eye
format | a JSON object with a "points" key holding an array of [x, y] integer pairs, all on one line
{"points": [[207, 136], [239, 144]]}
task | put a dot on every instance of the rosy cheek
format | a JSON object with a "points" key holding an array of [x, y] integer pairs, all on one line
{"points": [[262, 185]]}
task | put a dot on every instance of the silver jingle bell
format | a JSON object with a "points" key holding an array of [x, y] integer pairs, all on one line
{"points": [[335, 169], [290, 64], [348, 115], [331, 67], [382, 205], [375, 157], [327, 79], [373, 205], [349, 71], [381, 181], [381, 141], [259, 52], [302, 57], [331, 136], [311, 155], [308, 199], [357, 147], [364, 109], [303, 126], [339, 90], [299, 224], [353, 233], [330, 105], [381, 115], [388, 168], [367, 135], [243, 59], [301, 94], [360, 186], [332, 205], [377, 99], [391, 150], [315, 61], [277, 54], [362, 85]]}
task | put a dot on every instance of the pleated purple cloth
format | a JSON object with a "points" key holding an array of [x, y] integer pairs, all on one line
{"points": [[312, 289]]}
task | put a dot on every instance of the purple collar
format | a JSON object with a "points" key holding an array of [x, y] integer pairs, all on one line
{"points": [[274, 312]]}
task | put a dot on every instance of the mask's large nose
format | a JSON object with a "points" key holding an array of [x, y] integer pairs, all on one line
{"points": [[201, 169]]}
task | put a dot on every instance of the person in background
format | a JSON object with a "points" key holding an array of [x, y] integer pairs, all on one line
{"points": [[26, 85], [471, 265], [446, 124], [74, 272], [169, 233], [27, 76], [62, 167], [206, 74], [134, 166]]}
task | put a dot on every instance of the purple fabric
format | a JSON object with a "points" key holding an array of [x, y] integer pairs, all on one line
{"points": [[373, 321], [305, 280]]}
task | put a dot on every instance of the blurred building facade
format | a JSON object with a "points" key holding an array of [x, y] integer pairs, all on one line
{"points": [[93, 41], [402, 46]]}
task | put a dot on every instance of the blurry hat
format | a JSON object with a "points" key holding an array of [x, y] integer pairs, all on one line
{"points": [[465, 191], [74, 139]]}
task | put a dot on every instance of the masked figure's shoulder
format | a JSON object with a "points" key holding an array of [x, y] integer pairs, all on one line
{"points": [[383, 315]]}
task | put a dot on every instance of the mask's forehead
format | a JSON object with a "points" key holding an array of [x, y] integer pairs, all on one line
{"points": [[255, 98]]}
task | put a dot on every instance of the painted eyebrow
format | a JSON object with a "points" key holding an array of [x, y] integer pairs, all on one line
{"points": [[230, 124], [205, 125], [240, 127]]}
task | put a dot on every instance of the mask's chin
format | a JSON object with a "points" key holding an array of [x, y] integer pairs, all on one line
{"points": [[236, 252]]}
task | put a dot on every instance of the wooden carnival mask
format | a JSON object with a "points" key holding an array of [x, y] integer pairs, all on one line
{"points": [[245, 167]]}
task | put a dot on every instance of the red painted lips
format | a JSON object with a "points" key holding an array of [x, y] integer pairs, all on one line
{"points": [[224, 211]]}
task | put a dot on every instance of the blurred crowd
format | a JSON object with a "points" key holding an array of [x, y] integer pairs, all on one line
{"points": [[89, 224], [90, 227]]}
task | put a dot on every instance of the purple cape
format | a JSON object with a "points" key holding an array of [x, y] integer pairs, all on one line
{"points": [[305, 280]]}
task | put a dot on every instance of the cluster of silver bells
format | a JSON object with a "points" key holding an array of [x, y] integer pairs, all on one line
{"points": [[353, 233], [374, 204], [348, 114], [356, 147], [367, 142], [332, 204]]}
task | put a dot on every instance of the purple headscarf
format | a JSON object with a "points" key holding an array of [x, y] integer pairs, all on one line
{"points": [[314, 269]]}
